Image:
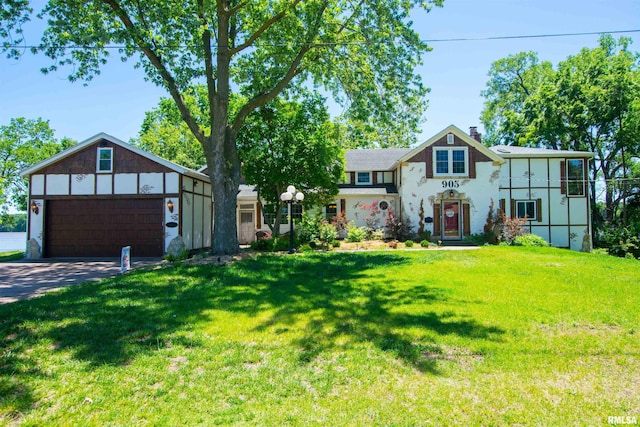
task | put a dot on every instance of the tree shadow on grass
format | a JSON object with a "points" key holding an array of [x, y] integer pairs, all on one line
{"points": [[340, 303], [332, 300]]}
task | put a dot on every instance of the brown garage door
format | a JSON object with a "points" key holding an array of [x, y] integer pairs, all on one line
{"points": [[101, 227]]}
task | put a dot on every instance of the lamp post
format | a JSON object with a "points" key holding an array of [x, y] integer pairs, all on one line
{"points": [[290, 197]]}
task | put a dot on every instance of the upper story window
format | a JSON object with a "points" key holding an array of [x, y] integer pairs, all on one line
{"points": [[105, 159], [575, 177], [451, 161], [363, 178], [384, 177]]}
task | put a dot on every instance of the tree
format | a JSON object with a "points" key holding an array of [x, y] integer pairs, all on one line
{"points": [[589, 102], [363, 53], [23, 143], [291, 143], [165, 134]]}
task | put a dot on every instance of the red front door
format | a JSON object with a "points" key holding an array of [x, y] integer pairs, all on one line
{"points": [[451, 221]]}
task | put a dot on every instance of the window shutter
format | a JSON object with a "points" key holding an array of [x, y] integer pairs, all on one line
{"points": [[353, 177], [343, 206], [258, 217], [539, 209], [375, 177], [472, 164], [563, 177], [429, 162], [502, 208], [466, 219], [436, 220], [513, 212]]}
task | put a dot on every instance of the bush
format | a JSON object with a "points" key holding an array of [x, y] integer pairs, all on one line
{"points": [[424, 243], [621, 241], [273, 244], [327, 234], [409, 243], [356, 234], [512, 228], [308, 228], [529, 240]]}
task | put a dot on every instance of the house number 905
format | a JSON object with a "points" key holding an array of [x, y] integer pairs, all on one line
{"points": [[451, 184]]}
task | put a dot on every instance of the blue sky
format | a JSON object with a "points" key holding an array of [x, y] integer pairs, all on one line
{"points": [[115, 101]]}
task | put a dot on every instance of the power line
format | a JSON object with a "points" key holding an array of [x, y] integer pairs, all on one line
{"points": [[446, 40]]}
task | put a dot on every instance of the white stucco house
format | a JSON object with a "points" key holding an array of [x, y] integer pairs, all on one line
{"points": [[454, 179]]}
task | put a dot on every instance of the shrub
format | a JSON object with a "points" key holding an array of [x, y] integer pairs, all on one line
{"points": [[396, 227], [308, 228], [409, 243], [621, 241], [327, 234], [529, 240], [356, 234], [377, 234], [424, 243], [511, 228]]}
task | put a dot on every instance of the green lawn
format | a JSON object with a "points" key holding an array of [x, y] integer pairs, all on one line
{"points": [[495, 336], [11, 256]]}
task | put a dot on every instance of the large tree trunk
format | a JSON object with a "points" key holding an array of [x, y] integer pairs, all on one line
{"points": [[224, 170]]}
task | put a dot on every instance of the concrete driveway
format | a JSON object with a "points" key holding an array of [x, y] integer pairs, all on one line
{"points": [[27, 279]]}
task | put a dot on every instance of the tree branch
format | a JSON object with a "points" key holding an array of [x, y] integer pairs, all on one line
{"points": [[166, 75], [293, 71], [263, 28], [208, 57]]}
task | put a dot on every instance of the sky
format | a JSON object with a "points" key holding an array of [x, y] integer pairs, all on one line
{"points": [[115, 101]]}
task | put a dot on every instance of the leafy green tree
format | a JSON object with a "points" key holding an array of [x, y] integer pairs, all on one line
{"points": [[165, 134], [23, 143], [363, 53], [589, 102], [291, 143]]}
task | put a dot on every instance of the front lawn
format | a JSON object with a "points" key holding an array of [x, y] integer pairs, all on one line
{"points": [[494, 336]]}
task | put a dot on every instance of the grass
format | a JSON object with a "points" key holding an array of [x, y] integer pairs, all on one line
{"points": [[11, 256], [528, 336]]}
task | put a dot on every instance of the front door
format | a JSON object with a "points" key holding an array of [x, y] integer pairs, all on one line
{"points": [[451, 221], [247, 228]]}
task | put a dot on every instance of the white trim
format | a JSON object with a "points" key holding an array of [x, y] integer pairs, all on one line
{"points": [[450, 151], [581, 181], [535, 210], [369, 182], [98, 159]]}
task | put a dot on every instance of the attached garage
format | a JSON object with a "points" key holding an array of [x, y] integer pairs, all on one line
{"points": [[103, 194]]}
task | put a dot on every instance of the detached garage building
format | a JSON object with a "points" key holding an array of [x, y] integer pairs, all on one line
{"points": [[103, 194]]}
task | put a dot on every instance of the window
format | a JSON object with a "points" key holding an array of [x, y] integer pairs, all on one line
{"points": [[331, 211], [363, 178], [451, 161], [384, 177], [575, 177], [526, 209], [270, 214], [105, 159]]}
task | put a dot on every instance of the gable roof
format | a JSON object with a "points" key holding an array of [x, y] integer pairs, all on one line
{"points": [[512, 151], [460, 134], [100, 136], [373, 159]]}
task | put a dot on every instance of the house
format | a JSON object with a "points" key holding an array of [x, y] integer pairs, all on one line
{"points": [[103, 194], [450, 182]]}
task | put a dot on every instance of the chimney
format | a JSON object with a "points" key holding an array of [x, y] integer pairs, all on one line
{"points": [[473, 133]]}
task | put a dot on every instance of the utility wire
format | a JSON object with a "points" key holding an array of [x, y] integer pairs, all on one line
{"points": [[446, 40]]}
